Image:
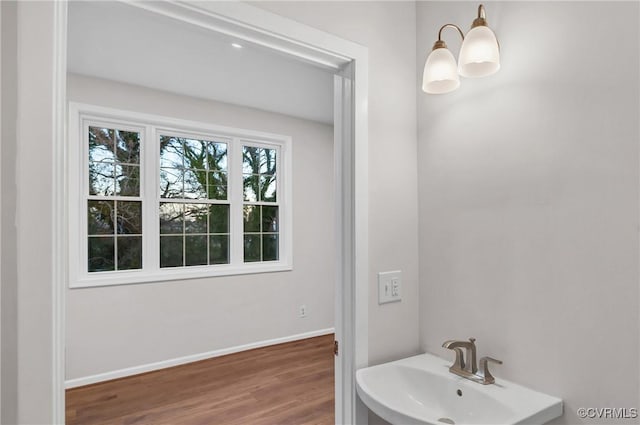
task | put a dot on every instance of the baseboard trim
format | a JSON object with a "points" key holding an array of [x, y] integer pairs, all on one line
{"points": [[121, 373]]}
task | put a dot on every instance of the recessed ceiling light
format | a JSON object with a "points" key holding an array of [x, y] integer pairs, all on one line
{"points": [[236, 45]]}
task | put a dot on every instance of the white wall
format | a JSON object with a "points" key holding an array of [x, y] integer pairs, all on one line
{"points": [[529, 199], [34, 205], [116, 327], [8, 276], [387, 29]]}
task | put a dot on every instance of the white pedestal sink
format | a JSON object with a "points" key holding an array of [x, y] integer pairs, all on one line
{"points": [[420, 390]]}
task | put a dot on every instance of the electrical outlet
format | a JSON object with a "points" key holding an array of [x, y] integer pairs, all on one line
{"points": [[389, 287], [395, 287], [302, 312]]}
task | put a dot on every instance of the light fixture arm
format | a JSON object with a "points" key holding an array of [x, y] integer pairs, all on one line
{"points": [[481, 20], [481, 13], [440, 43]]}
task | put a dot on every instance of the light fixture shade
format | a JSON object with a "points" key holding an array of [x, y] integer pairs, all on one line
{"points": [[479, 54], [440, 72]]}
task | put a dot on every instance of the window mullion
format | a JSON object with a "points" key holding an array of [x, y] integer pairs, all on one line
{"points": [[283, 185], [83, 185], [150, 224], [235, 176]]}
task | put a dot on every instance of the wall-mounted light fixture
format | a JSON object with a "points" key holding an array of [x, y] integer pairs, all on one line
{"points": [[479, 56]]}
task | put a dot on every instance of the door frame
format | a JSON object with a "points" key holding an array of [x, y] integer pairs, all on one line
{"points": [[349, 61]]}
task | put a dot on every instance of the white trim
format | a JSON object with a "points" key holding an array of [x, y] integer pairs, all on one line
{"points": [[285, 35], [59, 210], [340, 290], [358, 305], [150, 126], [127, 277], [235, 181], [1, 197], [244, 22], [352, 162], [121, 373]]}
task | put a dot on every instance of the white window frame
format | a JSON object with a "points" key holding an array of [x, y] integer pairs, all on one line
{"points": [[151, 126]]}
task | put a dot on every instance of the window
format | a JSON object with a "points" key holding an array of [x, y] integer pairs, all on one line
{"points": [[260, 207], [114, 214], [194, 206], [156, 198]]}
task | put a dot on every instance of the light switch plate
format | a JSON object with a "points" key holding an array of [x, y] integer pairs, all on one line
{"points": [[389, 287]]}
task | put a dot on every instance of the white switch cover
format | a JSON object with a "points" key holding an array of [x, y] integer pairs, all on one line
{"points": [[389, 287]]}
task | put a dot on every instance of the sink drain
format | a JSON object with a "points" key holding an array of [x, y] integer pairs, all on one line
{"points": [[446, 421]]}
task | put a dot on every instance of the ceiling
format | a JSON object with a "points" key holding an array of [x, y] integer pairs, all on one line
{"points": [[119, 42]]}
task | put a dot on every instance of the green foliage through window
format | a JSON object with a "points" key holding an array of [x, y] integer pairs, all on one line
{"points": [[194, 224], [114, 225], [191, 190], [261, 221]]}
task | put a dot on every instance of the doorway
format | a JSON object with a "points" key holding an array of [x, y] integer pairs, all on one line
{"points": [[350, 64]]}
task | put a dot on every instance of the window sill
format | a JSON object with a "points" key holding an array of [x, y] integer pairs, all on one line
{"points": [[99, 279]]}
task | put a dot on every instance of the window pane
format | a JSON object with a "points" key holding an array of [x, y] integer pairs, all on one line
{"points": [[269, 219], [250, 160], [101, 145], [269, 247], [109, 153], [217, 185], [251, 188], [258, 160], [101, 178], [267, 161], [251, 218], [171, 152], [128, 180], [171, 251], [100, 218], [217, 156], [195, 154], [129, 217], [171, 183], [184, 163], [171, 218], [101, 254], [129, 252], [219, 219], [195, 250], [219, 249], [195, 183], [195, 218], [128, 146], [268, 188], [252, 248]]}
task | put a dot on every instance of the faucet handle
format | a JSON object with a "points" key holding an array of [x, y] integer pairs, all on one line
{"points": [[472, 340], [487, 378], [459, 361]]}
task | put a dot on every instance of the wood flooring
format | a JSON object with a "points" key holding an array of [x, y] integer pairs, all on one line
{"points": [[285, 384]]}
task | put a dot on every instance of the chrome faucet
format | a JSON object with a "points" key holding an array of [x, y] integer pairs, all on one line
{"points": [[465, 363]]}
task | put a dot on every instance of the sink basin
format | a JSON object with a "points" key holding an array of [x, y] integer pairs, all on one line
{"points": [[420, 390]]}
